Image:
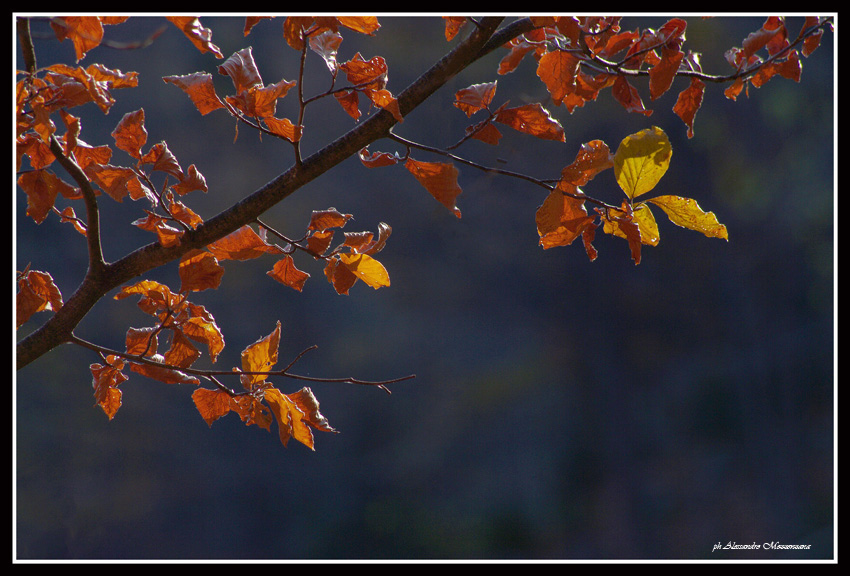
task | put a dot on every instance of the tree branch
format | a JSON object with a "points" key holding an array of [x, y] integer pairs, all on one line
{"points": [[58, 328]]}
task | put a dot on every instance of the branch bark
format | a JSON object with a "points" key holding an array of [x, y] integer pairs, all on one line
{"points": [[58, 329]]}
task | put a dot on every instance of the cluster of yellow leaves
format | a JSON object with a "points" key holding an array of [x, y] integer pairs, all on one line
{"points": [[639, 163], [295, 413]]}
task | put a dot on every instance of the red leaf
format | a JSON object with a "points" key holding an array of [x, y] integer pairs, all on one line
{"points": [[558, 71], [130, 134], [199, 87], [628, 96], [474, 98], [689, 101]]}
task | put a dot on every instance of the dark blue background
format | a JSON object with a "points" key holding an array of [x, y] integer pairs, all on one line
{"points": [[562, 409]]}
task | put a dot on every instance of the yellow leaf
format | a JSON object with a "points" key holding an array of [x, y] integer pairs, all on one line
{"points": [[367, 269], [641, 160], [686, 212]]}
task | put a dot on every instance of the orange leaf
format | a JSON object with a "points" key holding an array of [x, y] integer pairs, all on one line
{"points": [[378, 159], [36, 292], [366, 269], [439, 179], [325, 219], [155, 297], [130, 134], [284, 127], [339, 276], [561, 219], [384, 99], [199, 270], [474, 98], [689, 101], [199, 87], [163, 160], [594, 157], [41, 188], [363, 24], [105, 381], [532, 119], [558, 71], [199, 35], [243, 244], [295, 414], [453, 26], [261, 356], [348, 100], [212, 404], [167, 235], [86, 32], [286, 273], [202, 328]]}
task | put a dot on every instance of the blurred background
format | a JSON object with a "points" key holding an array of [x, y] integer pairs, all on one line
{"points": [[562, 409]]}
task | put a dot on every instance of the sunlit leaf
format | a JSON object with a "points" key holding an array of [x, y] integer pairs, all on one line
{"points": [[366, 269], [199, 270], [440, 179], [641, 160], [686, 212]]}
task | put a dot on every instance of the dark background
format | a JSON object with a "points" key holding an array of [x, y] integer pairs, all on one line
{"points": [[562, 409]]}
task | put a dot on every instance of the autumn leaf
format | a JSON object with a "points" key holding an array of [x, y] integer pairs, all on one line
{"points": [[339, 275], [200, 89], [166, 234], [686, 212], [325, 219], [628, 96], [36, 292], [130, 134], [593, 158], [261, 356], [532, 119], [662, 74], [296, 414], [474, 98], [558, 70], [366, 269], [199, 270], [378, 159], [201, 327], [201, 37], [439, 179], [561, 219], [163, 374], [641, 160], [105, 381], [41, 188], [689, 101], [243, 244], [212, 404], [285, 272]]}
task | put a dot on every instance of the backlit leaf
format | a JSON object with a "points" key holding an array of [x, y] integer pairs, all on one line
{"points": [[558, 69], [105, 381], [212, 404], [36, 292], [261, 356], [641, 160], [199, 270], [130, 134], [201, 37], [366, 269], [474, 98], [243, 244], [686, 212], [561, 219], [200, 89], [285, 272], [689, 101], [628, 96], [532, 119], [439, 179]]}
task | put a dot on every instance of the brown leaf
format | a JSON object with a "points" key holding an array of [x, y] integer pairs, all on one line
{"points": [[130, 134], [561, 219], [199, 270], [200, 36], [532, 119], [243, 244], [261, 356], [326, 219], [212, 404], [36, 292], [593, 158], [558, 70], [628, 96], [474, 98], [662, 74], [439, 179], [200, 89], [286, 273], [105, 381]]}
